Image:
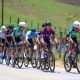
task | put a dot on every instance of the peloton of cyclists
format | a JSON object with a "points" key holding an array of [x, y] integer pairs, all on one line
{"points": [[46, 35]]}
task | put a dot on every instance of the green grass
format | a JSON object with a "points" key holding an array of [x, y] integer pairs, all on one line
{"points": [[40, 11]]}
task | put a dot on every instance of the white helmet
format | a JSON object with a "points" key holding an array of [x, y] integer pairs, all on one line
{"points": [[3, 28], [76, 24], [22, 24]]}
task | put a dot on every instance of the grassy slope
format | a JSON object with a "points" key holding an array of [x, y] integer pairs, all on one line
{"points": [[39, 10]]}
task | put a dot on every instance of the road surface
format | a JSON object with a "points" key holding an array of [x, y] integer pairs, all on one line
{"points": [[29, 73]]}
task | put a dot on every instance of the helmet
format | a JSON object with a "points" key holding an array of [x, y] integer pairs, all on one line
{"points": [[76, 24], [48, 23], [33, 29], [22, 24], [11, 26], [3, 28], [43, 25]]}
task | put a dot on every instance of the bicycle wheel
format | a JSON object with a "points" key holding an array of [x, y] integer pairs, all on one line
{"points": [[78, 63], [14, 58], [7, 61], [67, 62], [38, 62], [33, 60], [43, 66], [52, 62], [1, 60], [20, 59], [47, 63], [13, 62], [26, 60]]}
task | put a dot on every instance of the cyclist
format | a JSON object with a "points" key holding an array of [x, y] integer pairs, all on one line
{"points": [[9, 40], [18, 35], [31, 36], [2, 40], [19, 32], [72, 35], [48, 33]]}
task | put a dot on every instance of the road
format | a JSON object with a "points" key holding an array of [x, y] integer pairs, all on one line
{"points": [[29, 73]]}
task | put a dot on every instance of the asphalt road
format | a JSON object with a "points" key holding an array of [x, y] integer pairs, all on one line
{"points": [[29, 73]]}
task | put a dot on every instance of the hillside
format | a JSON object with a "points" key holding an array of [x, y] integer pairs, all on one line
{"points": [[57, 11], [71, 2]]}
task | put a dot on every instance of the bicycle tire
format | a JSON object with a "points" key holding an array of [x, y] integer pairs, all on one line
{"points": [[78, 63], [52, 62], [70, 63]]}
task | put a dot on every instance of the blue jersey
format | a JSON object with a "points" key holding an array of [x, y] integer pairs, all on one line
{"points": [[31, 35]]}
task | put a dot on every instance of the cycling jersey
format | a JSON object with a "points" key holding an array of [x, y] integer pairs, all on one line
{"points": [[47, 34], [8, 34], [31, 35], [2, 35], [9, 38], [71, 32], [18, 33]]}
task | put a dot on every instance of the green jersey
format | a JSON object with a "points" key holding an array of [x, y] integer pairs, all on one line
{"points": [[18, 33], [71, 32]]}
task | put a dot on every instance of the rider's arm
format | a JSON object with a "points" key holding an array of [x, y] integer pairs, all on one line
{"points": [[69, 32], [56, 40], [71, 39], [54, 37], [6, 39], [27, 39], [27, 35], [13, 36], [37, 38]]}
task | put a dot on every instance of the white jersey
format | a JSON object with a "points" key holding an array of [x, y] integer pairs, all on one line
{"points": [[2, 35], [27, 34]]}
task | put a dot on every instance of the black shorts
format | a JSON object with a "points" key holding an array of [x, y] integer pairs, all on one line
{"points": [[9, 44], [9, 39], [48, 43], [2, 40], [75, 40], [31, 42], [17, 39]]}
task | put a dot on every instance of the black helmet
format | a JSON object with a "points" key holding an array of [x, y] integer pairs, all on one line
{"points": [[43, 25], [11, 26], [48, 23]]}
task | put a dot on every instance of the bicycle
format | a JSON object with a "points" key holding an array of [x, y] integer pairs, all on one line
{"points": [[46, 59], [30, 56], [9, 54], [18, 55], [72, 59]]}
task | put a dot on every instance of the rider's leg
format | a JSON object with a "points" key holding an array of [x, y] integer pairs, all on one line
{"points": [[70, 49], [7, 51], [3, 42]]}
